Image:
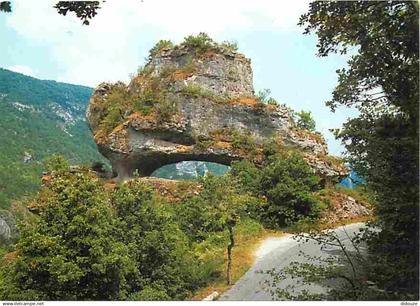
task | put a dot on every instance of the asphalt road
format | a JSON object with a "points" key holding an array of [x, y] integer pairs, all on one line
{"points": [[252, 286]]}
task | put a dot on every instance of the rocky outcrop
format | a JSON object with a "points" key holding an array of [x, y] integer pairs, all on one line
{"points": [[8, 231], [343, 207], [194, 103]]}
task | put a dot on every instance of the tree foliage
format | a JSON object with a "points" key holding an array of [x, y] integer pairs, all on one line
{"points": [[166, 267], [381, 81], [305, 121], [5, 6], [71, 251], [87, 243], [84, 10], [287, 183]]}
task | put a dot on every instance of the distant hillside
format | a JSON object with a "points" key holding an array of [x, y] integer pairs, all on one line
{"points": [[37, 119]]}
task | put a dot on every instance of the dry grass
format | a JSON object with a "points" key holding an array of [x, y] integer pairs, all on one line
{"points": [[249, 101], [139, 116], [10, 257], [243, 255], [222, 145]]}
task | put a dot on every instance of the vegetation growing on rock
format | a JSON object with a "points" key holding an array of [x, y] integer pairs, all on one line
{"points": [[179, 103]]}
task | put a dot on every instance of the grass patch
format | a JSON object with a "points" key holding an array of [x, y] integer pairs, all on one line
{"points": [[161, 45]]}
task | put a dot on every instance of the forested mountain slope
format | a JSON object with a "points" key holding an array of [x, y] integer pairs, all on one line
{"points": [[39, 118]]}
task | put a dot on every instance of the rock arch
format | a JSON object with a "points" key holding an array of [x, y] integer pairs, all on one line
{"points": [[189, 105]]}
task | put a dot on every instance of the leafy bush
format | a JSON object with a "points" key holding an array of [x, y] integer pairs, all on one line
{"points": [[196, 91], [288, 182], [162, 44], [248, 176], [160, 249], [165, 109], [71, 251], [114, 108], [88, 244], [243, 140], [56, 163], [264, 95], [305, 121], [207, 212], [201, 42], [229, 45], [150, 293]]}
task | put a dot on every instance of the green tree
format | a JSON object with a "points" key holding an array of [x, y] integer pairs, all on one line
{"points": [[70, 251], [288, 182], [166, 267], [5, 6], [381, 81], [217, 208], [305, 121]]}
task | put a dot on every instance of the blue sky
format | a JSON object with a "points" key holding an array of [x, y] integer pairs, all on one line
{"points": [[37, 41]]}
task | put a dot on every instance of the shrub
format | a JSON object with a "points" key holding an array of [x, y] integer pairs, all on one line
{"points": [[196, 91], [203, 145], [89, 244], [200, 43], [162, 44], [98, 166], [272, 146], [165, 264], [167, 71], [71, 250], [243, 140], [229, 45], [305, 121], [272, 101], [150, 293], [145, 70], [264, 95], [248, 176], [165, 109], [288, 182], [56, 163], [116, 106]]}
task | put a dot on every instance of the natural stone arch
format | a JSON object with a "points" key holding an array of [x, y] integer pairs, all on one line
{"points": [[189, 104], [144, 165]]}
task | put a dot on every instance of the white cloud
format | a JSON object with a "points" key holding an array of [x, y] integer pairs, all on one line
{"points": [[115, 42], [22, 69]]}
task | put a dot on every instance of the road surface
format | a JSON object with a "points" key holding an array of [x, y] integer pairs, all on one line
{"points": [[278, 253]]}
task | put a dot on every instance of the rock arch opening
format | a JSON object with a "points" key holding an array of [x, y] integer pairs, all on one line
{"points": [[189, 170]]}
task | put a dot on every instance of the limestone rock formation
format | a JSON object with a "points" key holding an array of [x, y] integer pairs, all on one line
{"points": [[8, 230], [194, 102]]}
